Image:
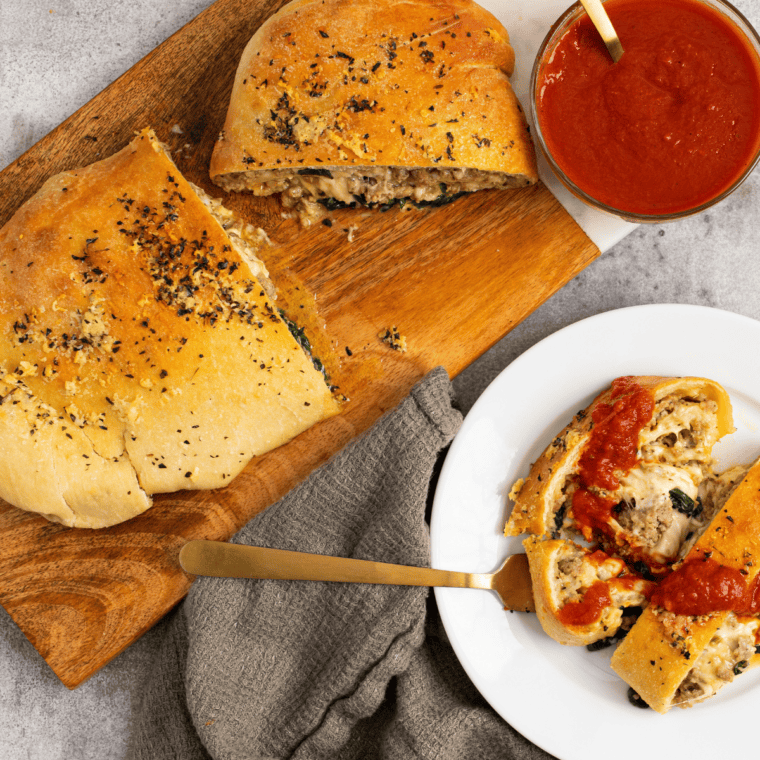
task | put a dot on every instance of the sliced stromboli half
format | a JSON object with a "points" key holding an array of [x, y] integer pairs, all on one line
{"points": [[140, 349], [581, 595], [342, 102], [701, 629], [625, 473]]}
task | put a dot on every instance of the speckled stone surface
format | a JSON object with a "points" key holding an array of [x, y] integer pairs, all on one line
{"points": [[55, 56]]}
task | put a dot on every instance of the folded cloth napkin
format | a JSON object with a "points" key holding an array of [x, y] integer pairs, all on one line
{"points": [[282, 669]]}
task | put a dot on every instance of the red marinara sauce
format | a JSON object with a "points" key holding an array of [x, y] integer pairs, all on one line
{"points": [[670, 126], [702, 585], [612, 448], [588, 609]]}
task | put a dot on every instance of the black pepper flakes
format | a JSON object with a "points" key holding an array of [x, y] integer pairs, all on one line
{"points": [[393, 339]]}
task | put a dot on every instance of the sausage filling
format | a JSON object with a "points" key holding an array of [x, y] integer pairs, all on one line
{"points": [[309, 191]]}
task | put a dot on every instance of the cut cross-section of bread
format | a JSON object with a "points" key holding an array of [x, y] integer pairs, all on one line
{"points": [[339, 102], [581, 595], [701, 629], [140, 349], [625, 473], [667, 552]]}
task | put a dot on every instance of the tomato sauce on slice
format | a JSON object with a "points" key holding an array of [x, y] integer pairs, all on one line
{"points": [[614, 439], [589, 608], [670, 126], [700, 586], [612, 449]]}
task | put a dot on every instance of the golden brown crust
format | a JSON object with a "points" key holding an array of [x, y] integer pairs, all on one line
{"points": [[533, 511], [333, 83], [139, 353], [661, 648], [654, 658]]}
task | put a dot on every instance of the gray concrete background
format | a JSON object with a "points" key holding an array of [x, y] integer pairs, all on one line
{"points": [[56, 55]]}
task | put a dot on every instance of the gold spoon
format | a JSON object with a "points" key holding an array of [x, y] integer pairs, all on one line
{"points": [[511, 582], [600, 19]]}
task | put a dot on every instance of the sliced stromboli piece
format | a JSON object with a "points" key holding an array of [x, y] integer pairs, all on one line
{"points": [[140, 349], [373, 101], [581, 595], [701, 628], [625, 472]]}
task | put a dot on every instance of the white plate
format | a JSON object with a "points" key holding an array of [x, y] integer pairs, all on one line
{"points": [[565, 699]]}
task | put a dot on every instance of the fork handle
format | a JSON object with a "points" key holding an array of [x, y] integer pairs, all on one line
{"points": [[223, 560]]}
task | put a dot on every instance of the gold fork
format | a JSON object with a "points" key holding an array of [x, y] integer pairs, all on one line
{"points": [[511, 582]]}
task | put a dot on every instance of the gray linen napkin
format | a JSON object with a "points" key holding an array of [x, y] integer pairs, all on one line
{"points": [[282, 669]]}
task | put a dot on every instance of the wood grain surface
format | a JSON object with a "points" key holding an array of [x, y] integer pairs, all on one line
{"points": [[454, 280]]}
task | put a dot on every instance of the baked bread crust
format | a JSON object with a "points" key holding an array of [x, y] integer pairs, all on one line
{"points": [[539, 496], [661, 648], [555, 585], [139, 353], [379, 83]]}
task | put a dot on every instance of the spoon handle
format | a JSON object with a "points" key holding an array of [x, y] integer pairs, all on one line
{"points": [[223, 560], [600, 19]]}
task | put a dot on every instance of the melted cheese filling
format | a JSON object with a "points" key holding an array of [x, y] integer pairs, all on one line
{"points": [[649, 514], [682, 431], [245, 239], [726, 656], [377, 184], [365, 185], [674, 455], [575, 572]]}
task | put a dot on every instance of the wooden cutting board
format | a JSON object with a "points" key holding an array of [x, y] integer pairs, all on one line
{"points": [[453, 280]]}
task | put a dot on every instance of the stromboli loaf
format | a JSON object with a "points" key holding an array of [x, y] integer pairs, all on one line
{"points": [[374, 100], [140, 351], [642, 521], [670, 658]]}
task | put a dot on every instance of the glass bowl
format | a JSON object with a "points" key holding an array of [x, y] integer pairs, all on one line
{"points": [[555, 34]]}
